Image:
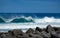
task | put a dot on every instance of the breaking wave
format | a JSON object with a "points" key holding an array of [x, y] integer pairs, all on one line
{"points": [[25, 23], [16, 20], [24, 19]]}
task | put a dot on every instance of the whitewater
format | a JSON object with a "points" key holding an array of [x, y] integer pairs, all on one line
{"points": [[29, 22]]}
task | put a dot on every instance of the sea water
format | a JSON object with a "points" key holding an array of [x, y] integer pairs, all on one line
{"points": [[24, 21]]}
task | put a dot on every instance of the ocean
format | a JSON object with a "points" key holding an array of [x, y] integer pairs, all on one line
{"points": [[24, 21]]}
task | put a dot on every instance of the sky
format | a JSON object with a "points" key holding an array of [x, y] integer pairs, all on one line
{"points": [[29, 6]]}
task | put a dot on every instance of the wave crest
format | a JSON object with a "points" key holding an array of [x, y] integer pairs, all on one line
{"points": [[24, 19], [47, 20], [21, 19]]}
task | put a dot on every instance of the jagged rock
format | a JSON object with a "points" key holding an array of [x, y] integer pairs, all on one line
{"points": [[49, 32], [30, 30], [56, 28], [52, 31], [55, 35], [49, 29], [38, 29], [16, 32], [37, 33], [22, 36], [45, 34], [4, 36], [34, 36]]}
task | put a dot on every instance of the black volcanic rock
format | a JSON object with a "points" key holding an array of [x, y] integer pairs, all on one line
{"points": [[16, 32], [30, 30], [45, 34], [55, 35], [37, 33], [34, 36], [48, 32], [49, 29], [39, 29], [22, 36], [56, 28], [52, 31]]}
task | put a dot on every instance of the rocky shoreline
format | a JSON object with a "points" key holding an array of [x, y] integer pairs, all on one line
{"points": [[48, 32]]}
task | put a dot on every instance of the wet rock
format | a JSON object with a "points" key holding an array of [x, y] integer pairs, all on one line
{"points": [[45, 34], [22, 36], [38, 29], [56, 28], [52, 31], [30, 30], [4, 36], [49, 32], [17, 32], [37, 33], [55, 35], [49, 29], [34, 36]]}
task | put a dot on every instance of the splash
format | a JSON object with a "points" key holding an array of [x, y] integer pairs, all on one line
{"points": [[24, 19], [25, 23], [47, 20]]}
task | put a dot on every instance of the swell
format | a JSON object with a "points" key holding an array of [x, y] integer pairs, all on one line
{"points": [[16, 20], [21, 20], [24, 19]]}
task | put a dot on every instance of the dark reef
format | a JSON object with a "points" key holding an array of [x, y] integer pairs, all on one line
{"points": [[48, 32]]}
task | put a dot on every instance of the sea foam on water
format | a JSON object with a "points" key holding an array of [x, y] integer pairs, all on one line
{"points": [[28, 22]]}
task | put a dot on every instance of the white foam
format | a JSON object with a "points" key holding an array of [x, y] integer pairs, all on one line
{"points": [[38, 22], [25, 25], [47, 20]]}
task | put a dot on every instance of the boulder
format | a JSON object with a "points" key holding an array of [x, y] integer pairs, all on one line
{"points": [[45, 34], [30, 30], [39, 29], [49, 29], [16, 32], [56, 28], [5, 36], [22, 36], [34, 36], [37, 33], [55, 35]]}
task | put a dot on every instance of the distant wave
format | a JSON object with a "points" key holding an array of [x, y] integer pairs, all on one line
{"points": [[24, 19]]}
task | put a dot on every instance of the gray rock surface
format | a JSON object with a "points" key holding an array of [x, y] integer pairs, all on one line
{"points": [[48, 32]]}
